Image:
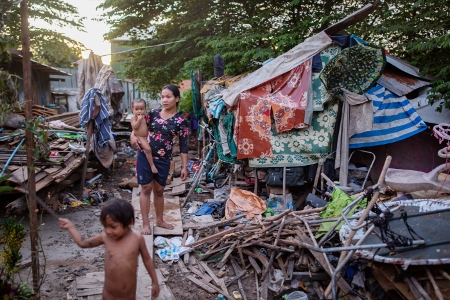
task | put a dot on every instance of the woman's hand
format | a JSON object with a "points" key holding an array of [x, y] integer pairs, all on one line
{"points": [[184, 173], [134, 140]]}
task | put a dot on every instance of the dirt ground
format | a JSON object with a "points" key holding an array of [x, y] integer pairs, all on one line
{"points": [[62, 261]]}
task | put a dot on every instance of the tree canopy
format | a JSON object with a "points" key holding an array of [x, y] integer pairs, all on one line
{"points": [[47, 46], [248, 32]]}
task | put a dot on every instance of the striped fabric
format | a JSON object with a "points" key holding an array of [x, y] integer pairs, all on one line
{"points": [[102, 127], [394, 119]]}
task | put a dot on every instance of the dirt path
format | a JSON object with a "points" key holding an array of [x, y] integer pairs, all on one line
{"points": [[62, 261]]}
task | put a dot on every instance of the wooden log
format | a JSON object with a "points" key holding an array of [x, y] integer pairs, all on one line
{"points": [[205, 277], [220, 283], [223, 261], [272, 256], [415, 290], [437, 291], [255, 265], [214, 236], [346, 288], [204, 285], [238, 271]]}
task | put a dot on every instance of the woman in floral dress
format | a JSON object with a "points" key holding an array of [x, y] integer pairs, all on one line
{"points": [[163, 125]]}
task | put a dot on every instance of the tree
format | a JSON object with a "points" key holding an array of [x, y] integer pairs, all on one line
{"points": [[47, 46], [418, 32], [247, 32]]}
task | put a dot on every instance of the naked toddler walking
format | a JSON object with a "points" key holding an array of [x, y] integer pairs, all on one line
{"points": [[122, 248], [140, 129]]}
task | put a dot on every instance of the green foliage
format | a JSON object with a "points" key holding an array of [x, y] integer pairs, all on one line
{"points": [[47, 46], [41, 149], [12, 236], [246, 33], [185, 103]]}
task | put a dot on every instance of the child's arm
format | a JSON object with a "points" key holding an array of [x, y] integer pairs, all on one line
{"points": [[148, 263], [77, 237], [136, 121]]}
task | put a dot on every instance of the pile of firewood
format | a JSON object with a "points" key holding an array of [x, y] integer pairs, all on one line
{"points": [[264, 244]]}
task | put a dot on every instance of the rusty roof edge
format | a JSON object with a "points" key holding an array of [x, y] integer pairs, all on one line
{"points": [[48, 69], [404, 66]]}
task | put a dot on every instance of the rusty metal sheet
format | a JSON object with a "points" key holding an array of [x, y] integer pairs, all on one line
{"points": [[399, 82], [433, 228]]}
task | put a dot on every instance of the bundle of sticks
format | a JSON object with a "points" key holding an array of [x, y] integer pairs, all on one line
{"points": [[264, 244]]}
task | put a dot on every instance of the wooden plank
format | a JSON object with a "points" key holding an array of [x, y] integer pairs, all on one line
{"points": [[165, 293], [70, 167], [223, 261], [215, 236], [220, 282], [178, 190], [144, 282], [205, 277], [182, 266], [52, 170], [264, 290], [88, 292], [254, 265], [203, 285], [195, 226], [172, 213]]}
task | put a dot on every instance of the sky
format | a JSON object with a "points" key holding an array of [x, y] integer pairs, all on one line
{"points": [[93, 37]]}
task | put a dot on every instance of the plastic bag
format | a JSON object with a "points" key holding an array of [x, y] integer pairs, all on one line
{"points": [[245, 202], [171, 248]]}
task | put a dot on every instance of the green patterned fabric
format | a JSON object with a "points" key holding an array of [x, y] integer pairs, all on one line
{"points": [[226, 158], [196, 101], [320, 94], [356, 68], [302, 147]]}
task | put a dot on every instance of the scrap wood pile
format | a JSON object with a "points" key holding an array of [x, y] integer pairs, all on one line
{"points": [[274, 252], [272, 247], [57, 154]]}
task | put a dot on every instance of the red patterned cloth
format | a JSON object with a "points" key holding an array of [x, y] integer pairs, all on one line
{"points": [[285, 96]]}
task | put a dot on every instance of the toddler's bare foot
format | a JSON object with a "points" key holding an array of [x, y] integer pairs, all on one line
{"points": [[165, 225], [154, 169], [146, 230]]}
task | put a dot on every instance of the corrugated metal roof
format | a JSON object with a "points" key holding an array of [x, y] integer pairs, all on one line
{"points": [[400, 83], [39, 66]]}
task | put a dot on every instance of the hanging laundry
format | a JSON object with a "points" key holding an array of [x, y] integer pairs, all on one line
{"points": [[285, 96]]}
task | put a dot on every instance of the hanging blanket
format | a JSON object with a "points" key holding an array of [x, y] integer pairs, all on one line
{"points": [[286, 96], [303, 147], [102, 127], [394, 120]]}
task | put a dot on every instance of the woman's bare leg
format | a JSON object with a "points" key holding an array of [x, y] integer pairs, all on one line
{"points": [[158, 198], [144, 200]]}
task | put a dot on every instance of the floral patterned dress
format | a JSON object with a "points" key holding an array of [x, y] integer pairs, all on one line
{"points": [[161, 133]]}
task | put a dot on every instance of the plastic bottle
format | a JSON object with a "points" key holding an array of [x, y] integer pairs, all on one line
{"points": [[220, 297]]}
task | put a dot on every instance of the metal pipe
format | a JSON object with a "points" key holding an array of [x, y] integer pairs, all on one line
{"points": [[11, 157], [346, 259], [349, 248]]}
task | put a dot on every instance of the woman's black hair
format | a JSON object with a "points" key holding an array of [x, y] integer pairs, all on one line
{"points": [[119, 210], [174, 89]]}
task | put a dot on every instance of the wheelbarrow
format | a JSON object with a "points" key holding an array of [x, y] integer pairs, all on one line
{"points": [[409, 181]]}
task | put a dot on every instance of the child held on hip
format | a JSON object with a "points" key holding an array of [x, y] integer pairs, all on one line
{"points": [[140, 130]]}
